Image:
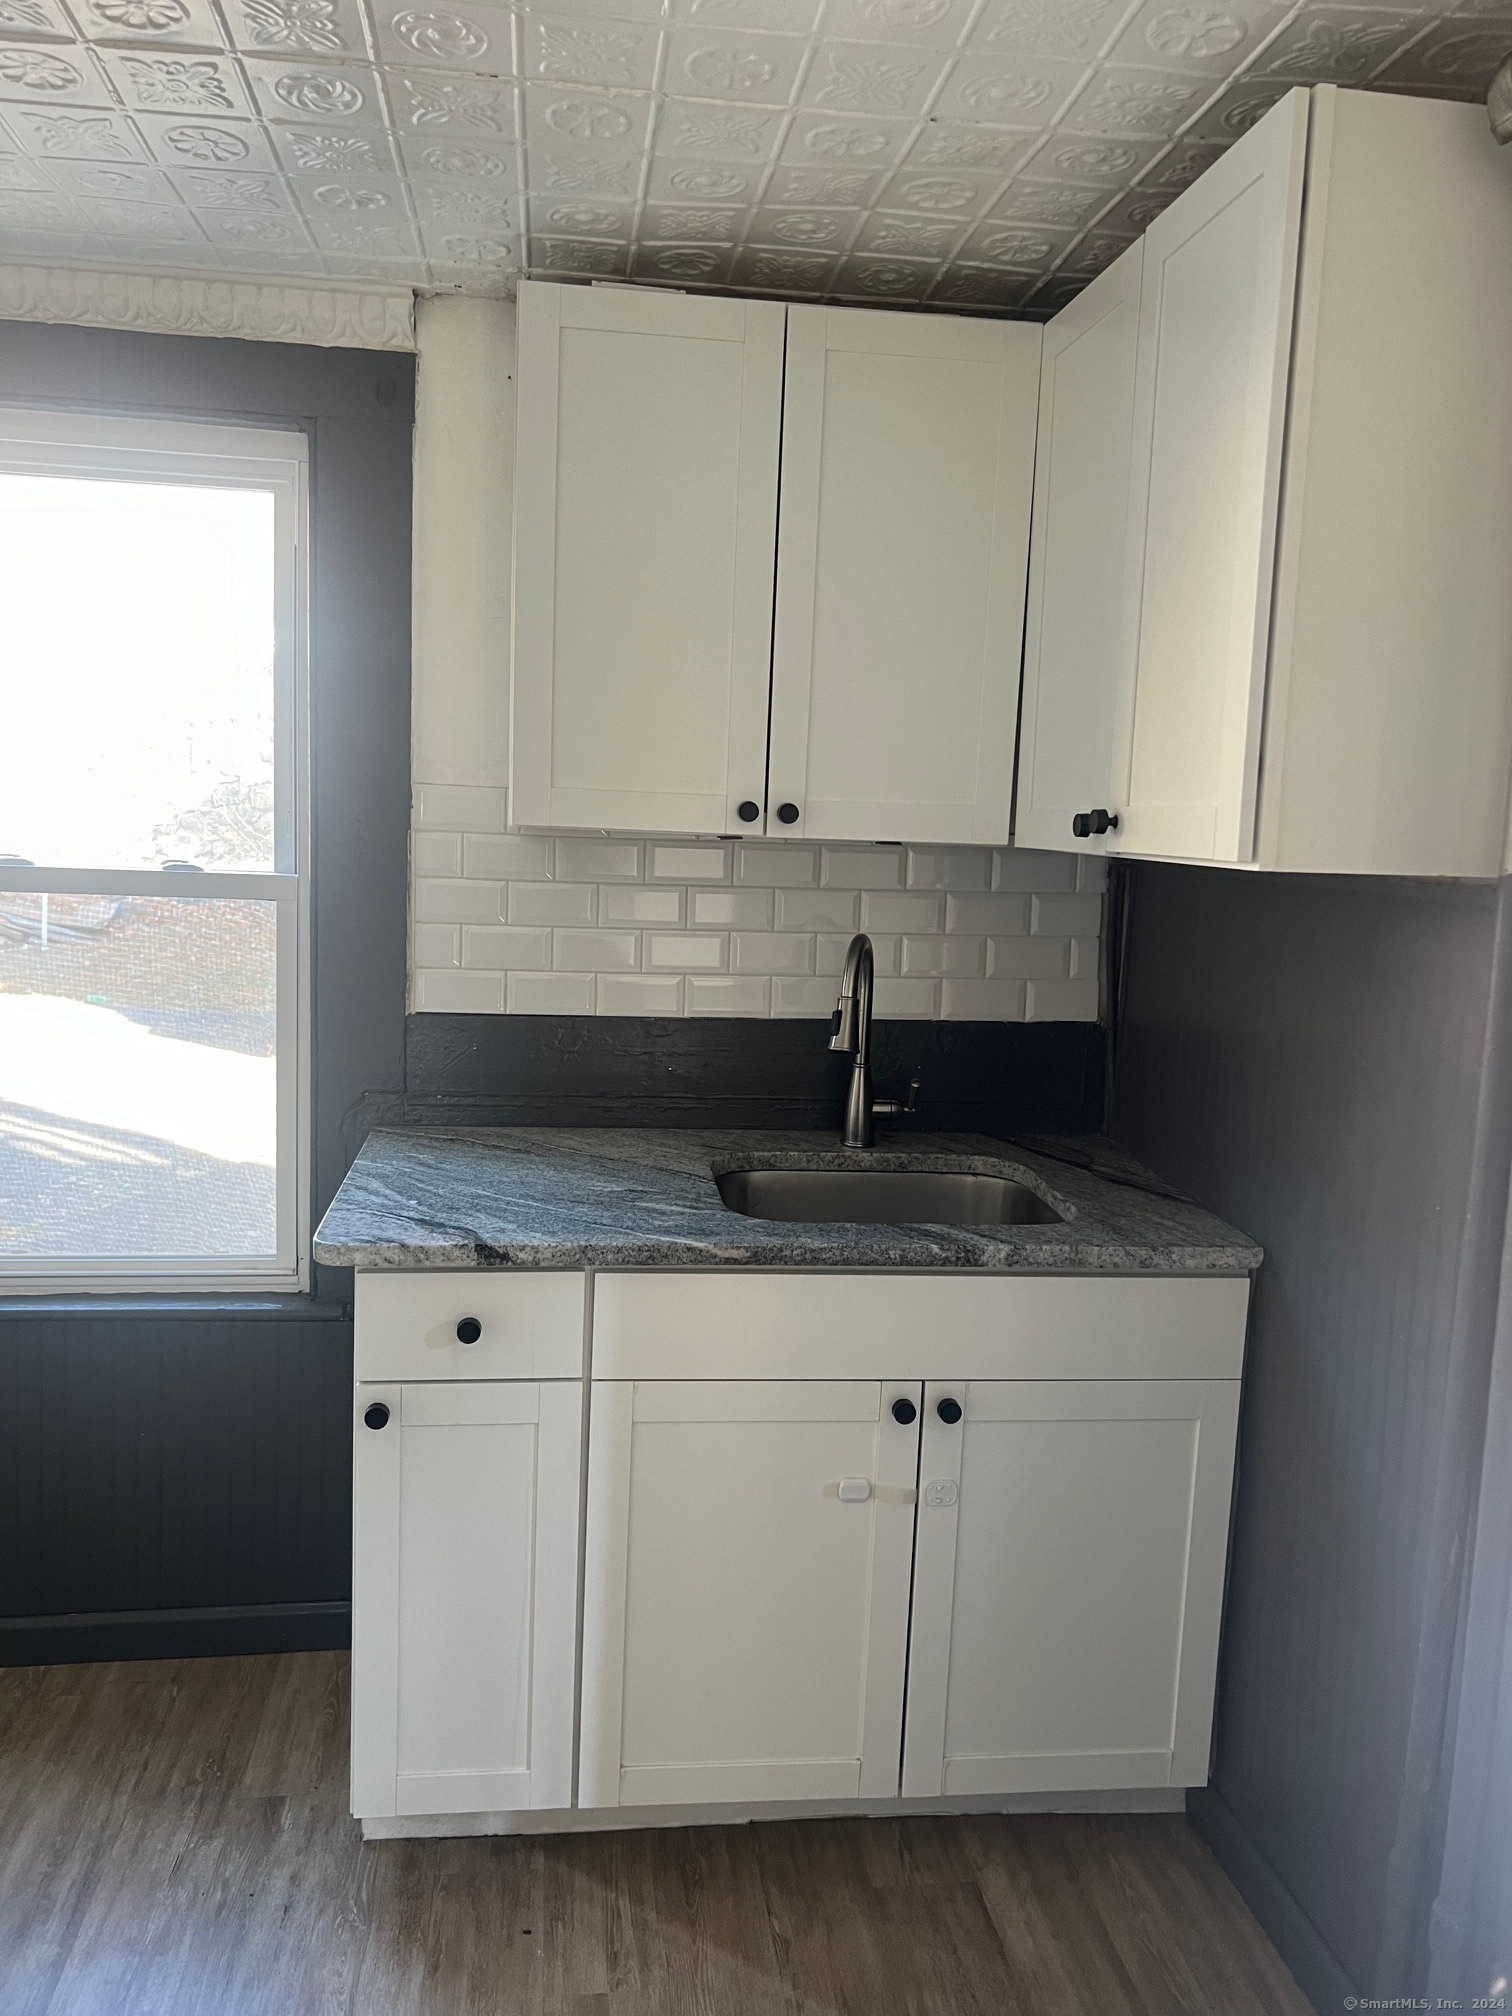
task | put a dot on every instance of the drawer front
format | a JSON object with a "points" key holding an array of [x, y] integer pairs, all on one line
{"points": [[916, 1326], [530, 1326]]}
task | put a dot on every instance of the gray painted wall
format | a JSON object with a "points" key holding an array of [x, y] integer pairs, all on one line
{"points": [[1321, 1061]]}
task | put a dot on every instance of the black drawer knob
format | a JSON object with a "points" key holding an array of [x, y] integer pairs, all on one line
{"points": [[377, 1415], [1085, 824], [949, 1412], [788, 814], [904, 1412], [748, 810], [469, 1330]]}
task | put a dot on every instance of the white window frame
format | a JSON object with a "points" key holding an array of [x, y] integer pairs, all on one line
{"points": [[40, 443]]}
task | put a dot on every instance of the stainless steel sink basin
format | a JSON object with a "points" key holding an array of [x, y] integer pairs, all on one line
{"points": [[883, 1197]]}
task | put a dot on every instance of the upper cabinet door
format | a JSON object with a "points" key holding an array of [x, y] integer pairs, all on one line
{"points": [[907, 478], [1074, 649], [645, 521], [1215, 325]]}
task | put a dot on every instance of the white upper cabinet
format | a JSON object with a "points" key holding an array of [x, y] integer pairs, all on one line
{"points": [[1073, 632], [907, 467], [1215, 324], [645, 516]]}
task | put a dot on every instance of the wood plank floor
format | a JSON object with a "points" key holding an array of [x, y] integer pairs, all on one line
{"points": [[174, 1842]]}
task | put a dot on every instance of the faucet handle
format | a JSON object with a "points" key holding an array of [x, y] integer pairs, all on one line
{"points": [[912, 1103], [889, 1108]]}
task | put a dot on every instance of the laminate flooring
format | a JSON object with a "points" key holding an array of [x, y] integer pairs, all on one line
{"points": [[174, 1842]]}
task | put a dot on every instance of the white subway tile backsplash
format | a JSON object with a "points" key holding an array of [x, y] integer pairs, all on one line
{"points": [[595, 951], [687, 951], [818, 909], [690, 864], [771, 952], [506, 948], [550, 994], [1062, 1001], [743, 909], [639, 994], [530, 924], [862, 868], [436, 853], [1064, 915], [553, 903], [598, 860], [783, 865]]}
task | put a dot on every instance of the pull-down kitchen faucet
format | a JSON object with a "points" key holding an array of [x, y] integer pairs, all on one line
{"points": [[853, 1021]]}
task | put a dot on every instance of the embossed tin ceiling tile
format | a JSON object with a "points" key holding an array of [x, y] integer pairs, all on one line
{"points": [[883, 280], [1074, 157], [873, 79], [1006, 91], [1237, 109], [18, 173], [245, 230], [470, 162], [1180, 168], [569, 119], [1091, 254], [732, 67], [444, 37], [762, 271], [1203, 37], [780, 17], [682, 265], [1054, 294], [691, 223], [573, 49], [591, 257], [740, 135], [155, 80], [143, 223], [832, 188], [807, 230], [581, 174], [896, 236], [1137, 211], [980, 287], [932, 24], [1068, 206], [828, 140], [475, 257], [298, 28], [472, 108], [316, 150], [124, 183], [193, 141], [1025, 247], [212, 189], [677, 181], [289, 91], [383, 236], [74, 136], [34, 18], [1149, 104], [365, 267], [371, 198], [471, 208], [1034, 28], [580, 217], [947, 144], [43, 75], [187, 24], [1328, 43], [37, 210], [641, 12], [1461, 55], [933, 192]]}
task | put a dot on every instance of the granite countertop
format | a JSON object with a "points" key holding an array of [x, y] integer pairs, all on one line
{"points": [[645, 1197]]}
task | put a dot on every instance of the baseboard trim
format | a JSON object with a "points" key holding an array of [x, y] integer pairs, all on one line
{"points": [[1317, 1973], [234, 1630]]}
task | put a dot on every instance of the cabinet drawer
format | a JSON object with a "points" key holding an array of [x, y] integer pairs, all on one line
{"points": [[530, 1326], [916, 1326]]}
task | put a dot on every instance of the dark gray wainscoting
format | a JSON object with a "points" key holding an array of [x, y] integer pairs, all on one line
{"points": [[1324, 1062]]}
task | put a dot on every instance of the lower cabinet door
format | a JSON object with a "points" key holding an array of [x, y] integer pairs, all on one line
{"points": [[1068, 1584], [746, 1591], [464, 1598]]}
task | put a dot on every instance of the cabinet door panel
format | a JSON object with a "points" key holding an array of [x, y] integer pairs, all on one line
{"points": [[1074, 650], [645, 522], [464, 1609], [745, 1627], [1215, 323], [907, 470], [1072, 1539]]}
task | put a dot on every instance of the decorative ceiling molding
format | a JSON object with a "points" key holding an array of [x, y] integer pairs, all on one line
{"points": [[173, 304]]}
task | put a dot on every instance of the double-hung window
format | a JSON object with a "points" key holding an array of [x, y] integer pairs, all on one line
{"points": [[153, 853]]}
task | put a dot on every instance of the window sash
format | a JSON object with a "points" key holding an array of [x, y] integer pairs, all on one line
{"points": [[65, 444]]}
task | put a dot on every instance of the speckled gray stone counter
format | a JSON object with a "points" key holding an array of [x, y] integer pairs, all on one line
{"points": [[623, 1197]]}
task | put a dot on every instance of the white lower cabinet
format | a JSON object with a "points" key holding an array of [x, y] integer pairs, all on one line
{"points": [[1068, 1584], [746, 1591], [464, 1599]]}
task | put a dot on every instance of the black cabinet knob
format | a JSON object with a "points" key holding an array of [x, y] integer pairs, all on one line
{"points": [[377, 1415], [903, 1412], [949, 1411], [469, 1330], [788, 814], [748, 810], [1100, 820]]}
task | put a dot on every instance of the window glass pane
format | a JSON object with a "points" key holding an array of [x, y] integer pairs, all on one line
{"points": [[138, 1108], [137, 673]]}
